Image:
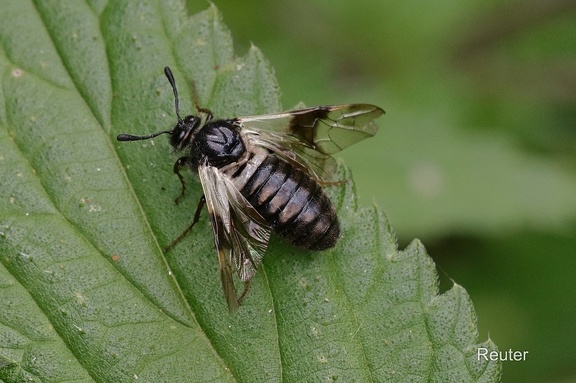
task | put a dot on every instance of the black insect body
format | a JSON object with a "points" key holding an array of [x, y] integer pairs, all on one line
{"points": [[217, 142], [293, 203], [262, 173]]}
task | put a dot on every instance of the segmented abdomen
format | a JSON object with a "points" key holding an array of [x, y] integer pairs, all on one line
{"points": [[292, 202]]}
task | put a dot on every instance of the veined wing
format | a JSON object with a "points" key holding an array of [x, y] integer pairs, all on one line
{"points": [[241, 235], [326, 129], [313, 134]]}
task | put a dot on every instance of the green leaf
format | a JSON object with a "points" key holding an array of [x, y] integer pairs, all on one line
{"points": [[86, 293]]}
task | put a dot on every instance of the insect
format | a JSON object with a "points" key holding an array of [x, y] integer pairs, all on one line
{"points": [[261, 174]]}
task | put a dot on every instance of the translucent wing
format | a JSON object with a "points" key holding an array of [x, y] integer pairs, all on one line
{"points": [[241, 235], [308, 137]]}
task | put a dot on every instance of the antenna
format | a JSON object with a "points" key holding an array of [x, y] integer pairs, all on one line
{"points": [[170, 77], [130, 137]]}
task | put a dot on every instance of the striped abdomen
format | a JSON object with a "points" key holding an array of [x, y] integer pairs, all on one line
{"points": [[290, 200]]}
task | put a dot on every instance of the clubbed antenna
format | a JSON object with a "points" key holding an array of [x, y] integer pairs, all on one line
{"points": [[170, 77], [130, 137]]}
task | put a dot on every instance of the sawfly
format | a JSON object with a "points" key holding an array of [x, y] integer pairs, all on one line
{"points": [[264, 173]]}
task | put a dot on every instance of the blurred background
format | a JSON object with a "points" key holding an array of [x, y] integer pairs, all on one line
{"points": [[476, 154]]}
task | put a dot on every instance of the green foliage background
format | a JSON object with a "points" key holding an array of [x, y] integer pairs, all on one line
{"points": [[476, 154]]}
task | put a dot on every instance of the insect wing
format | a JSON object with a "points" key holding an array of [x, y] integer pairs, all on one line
{"points": [[241, 235], [290, 149], [326, 129], [314, 134]]}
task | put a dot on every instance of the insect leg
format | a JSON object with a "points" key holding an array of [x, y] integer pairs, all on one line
{"points": [[245, 292], [201, 204], [179, 164], [331, 183], [197, 103]]}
